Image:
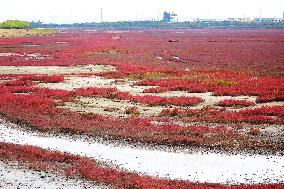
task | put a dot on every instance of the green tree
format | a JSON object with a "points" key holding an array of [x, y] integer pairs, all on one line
{"points": [[15, 24]]}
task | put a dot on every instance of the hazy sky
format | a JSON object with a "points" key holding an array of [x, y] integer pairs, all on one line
{"points": [[69, 11]]}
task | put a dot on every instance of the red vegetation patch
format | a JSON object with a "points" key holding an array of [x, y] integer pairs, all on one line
{"points": [[268, 111], [170, 112], [235, 103], [189, 85], [272, 115], [43, 78], [270, 98], [41, 113], [220, 83], [177, 101], [147, 99], [25, 83]]}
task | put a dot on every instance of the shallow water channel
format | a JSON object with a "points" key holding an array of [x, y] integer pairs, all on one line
{"points": [[195, 166]]}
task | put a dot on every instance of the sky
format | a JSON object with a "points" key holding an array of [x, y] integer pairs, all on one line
{"points": [[72, 11]]}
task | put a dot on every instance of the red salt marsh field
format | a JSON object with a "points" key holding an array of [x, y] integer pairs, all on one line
{"points": [[146, 109]]}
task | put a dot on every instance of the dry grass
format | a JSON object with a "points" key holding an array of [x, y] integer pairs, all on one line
{"points": [[24, 32]]}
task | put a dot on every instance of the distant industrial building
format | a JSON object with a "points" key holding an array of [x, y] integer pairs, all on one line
{"points": [[269, 19], [243, 19], [237, 19], [169, 17], [208, 20]]}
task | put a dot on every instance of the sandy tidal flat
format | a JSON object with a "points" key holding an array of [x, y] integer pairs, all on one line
{"points": [[195, 166]]}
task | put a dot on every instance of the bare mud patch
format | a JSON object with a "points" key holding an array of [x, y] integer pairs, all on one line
{"points": [[4, 80], [55, 70], [27, 56], [74, 82], [115, 108]]}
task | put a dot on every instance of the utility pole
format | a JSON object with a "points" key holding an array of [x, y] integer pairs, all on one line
{"points": [[158, 21], [260, 19], [101, 15]]}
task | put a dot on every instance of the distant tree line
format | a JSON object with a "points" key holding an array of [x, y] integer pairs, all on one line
{"points": [[164, 24], [160, 25], [14, 24]]}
